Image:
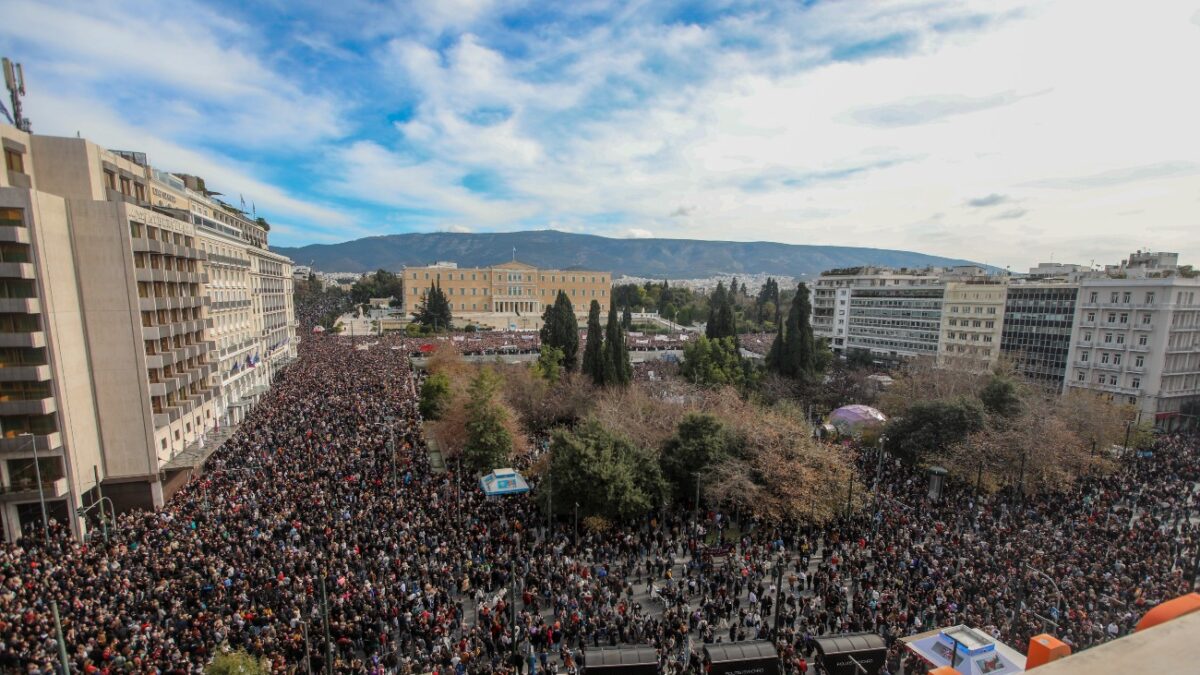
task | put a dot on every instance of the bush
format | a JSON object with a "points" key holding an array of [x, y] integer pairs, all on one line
{"points": [[236, 663]]}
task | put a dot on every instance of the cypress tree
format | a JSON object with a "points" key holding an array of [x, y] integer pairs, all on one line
{"points": [[616, 355], [793, 354], [434, 311], [593, 351], [560, 329], [626, 319]]}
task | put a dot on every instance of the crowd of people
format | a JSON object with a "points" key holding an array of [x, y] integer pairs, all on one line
{"points": [[319, 535]]}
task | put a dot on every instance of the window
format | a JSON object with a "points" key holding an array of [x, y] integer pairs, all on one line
{"points": [[139, 191], [953, 322], [1113, 297], [1079, 376], [1124, 317], [1083, 357], [1108, 338], [1136, 383], [1095, 297], [1104, 357], [1091, 316], [14, 161], [1112, 379], [1145, 319], [1126, 297], [1121, 339], [1141, 340], [1139, 361], [1116, 359], [1087, 337], [1150, 297]]}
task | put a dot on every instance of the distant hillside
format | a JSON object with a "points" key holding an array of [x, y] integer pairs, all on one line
{"points": [[657, 258]]}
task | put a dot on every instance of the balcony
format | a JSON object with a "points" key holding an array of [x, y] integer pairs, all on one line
{"points": [[23, 444], [31, 339], [37, 406], [28, 490], [20, 306], [15, 234], [17, 270], [25, 373]]}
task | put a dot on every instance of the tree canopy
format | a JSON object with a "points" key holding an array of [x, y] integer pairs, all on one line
{"points": [[489, 443], [715, 362], [435, 396], [617, 369], [932, 427], [605, 472], [794, 352], [560, 330], [721, 320], [434, 311], [378, 284], [593, 351]]}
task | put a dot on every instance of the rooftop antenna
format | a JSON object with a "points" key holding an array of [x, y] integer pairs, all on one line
{"points": [[14, 81]]}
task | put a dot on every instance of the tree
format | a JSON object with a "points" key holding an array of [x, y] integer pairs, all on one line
{"points": [[434, 311], [489, 442], [933, 427], [1000, 397], [605, 472], [560, 330], [767, 301], [715, 363], [859, 359], [626, 319], [549, 363], [617, 369], [236, 663], [378, 284], [794, 352], [721, 322], [435, 396], [593, 351], [700, 443]]}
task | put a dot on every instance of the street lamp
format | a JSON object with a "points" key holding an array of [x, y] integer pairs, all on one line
{"points": [[390, 423], [1059, 601], [37, 469]]}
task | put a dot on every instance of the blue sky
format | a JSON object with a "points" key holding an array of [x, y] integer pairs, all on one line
{"points": [[1005, 132]]}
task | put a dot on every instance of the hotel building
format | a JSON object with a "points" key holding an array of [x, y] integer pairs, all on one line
{"points": [[112, 363]]}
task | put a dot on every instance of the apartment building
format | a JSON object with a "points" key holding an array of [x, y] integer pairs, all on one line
{"points": [[971, 323], [508, 288], [1039, 319], [1138, 340], [831, 302], [108, 359]]}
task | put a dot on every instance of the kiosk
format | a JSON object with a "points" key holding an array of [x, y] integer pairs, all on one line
{"points": [[622, 660], [851, 653], [756, 657]]}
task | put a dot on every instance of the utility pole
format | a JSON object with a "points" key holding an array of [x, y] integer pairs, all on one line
{"points": [[325, 612], [62, 643], [100, 498], [37, 469]]}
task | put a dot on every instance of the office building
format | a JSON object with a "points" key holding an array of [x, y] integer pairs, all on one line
{"points": [[1137, 339], [831, 301], [112, 362], [971, 323], [1039, 318]]}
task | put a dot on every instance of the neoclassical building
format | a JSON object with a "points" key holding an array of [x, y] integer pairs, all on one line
{"points": [[508, 288]]}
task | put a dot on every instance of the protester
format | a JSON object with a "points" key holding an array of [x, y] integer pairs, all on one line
{"points": [[322, 518]]}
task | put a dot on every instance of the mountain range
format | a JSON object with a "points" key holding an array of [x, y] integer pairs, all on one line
{"points": [[551, 249]]}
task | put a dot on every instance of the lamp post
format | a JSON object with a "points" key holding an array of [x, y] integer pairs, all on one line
{"points": [[37, 470], [696, 505], [1059, 596]]}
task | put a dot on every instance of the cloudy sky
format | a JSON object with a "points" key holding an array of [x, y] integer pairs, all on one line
{"points": [[1003, 132]]}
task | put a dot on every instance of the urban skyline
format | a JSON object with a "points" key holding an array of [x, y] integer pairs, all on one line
{"points": [[813, 123]]}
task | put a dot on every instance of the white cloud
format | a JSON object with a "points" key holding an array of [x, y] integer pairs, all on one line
{"points": [[637, 233]]}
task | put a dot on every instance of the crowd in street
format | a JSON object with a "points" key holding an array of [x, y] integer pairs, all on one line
{"points": [[319, 533]]}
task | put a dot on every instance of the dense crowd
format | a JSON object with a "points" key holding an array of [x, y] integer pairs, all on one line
{"points": [[321, 516]]}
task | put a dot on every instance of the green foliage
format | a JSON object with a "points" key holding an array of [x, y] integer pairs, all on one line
{"points": [[435, 396], [767, 302], [794, 352], [700, 443], [859, 359], [605, 473], [549, 364], [434, 311], [236, 663], [560, 330], [1000, 397], [626, 319], [489, 442], [714, 363], [593, 351], [378, 284], [933, 427], [617, 369], [721, 321]]}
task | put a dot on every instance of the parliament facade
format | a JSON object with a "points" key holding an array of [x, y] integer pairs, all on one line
{"points": [[508, 288]]}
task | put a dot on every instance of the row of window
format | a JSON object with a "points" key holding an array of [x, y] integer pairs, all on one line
{"points": [[1113, 358], [1117, 338], [974, 323], [512, 276], [1109, 379], [1122, 297], [956, 309]]}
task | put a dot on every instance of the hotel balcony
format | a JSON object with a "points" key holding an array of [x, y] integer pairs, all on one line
{"points": [[30, 339], [20, 306], [28, 490], [44, 443], [25, 373], [17, 270], [36, 406], [14, 234]]}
